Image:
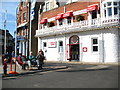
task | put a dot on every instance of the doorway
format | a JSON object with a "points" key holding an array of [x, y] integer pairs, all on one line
{"points": [[74, 48]]}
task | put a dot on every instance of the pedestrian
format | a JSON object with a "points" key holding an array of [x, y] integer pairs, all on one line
{"points": [[5, 66], [40, 59], [42, 54], [13, 57], [22, 60], [30, 59]]}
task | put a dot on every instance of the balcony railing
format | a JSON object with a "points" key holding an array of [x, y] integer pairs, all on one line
{"points": [[81, 25]]}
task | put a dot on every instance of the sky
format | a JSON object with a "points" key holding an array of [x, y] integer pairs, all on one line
{"points": [[10, 6]]}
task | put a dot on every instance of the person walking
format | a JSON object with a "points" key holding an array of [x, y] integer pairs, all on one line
{"points": [[40, 59], [5, 66]]}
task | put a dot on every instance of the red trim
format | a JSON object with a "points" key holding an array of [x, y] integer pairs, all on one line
{"points": [[43, 21], [92, 7], [73, 44], [68, 14], [59, 16]]}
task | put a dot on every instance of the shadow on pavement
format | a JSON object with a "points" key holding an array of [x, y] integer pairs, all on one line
{"points": [[80, 70]]}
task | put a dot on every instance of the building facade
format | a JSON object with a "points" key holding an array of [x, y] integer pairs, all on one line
{"points": [[27, 23], [23, 28], [81, 31], [9, 42]]}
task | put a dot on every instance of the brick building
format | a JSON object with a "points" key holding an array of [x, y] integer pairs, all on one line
{"points": [[86, 31], [26, 41]]}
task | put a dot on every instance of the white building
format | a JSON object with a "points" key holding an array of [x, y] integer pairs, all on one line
{"points": [[92, 40]]}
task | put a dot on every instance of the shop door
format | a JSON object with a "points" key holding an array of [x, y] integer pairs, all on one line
{"points": [[74, 52], [74, 48]]}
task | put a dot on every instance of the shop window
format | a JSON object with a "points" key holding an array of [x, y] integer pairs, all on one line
{"points": [[60, 48], [110, 11], [95, 45]]}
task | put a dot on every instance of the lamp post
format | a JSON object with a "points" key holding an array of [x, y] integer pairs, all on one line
{"points": [[14, 72], [5, 31]]}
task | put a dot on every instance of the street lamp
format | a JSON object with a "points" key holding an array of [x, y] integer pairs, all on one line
{"points": [[14, 72], [5, 31]]}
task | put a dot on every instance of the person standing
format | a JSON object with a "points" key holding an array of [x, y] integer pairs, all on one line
{"points": [[40, 59], [5, 66]]}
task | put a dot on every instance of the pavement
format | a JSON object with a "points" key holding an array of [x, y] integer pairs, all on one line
{"points": [[46, 67], [50, 66]]}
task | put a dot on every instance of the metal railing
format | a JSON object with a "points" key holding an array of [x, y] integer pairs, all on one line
{"points": [[82, 24]]}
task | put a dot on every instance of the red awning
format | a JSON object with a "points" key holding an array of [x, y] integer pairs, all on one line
{"points": [[43, 21], [92, 7], [68, 14], [59, 16]]}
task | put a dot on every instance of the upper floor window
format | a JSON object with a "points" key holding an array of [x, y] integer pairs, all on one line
{"points": [[109, 3], [110, 8], [69, 20], [24, 4], [60, 21], [109, 11], [47, 6], [115, 3], [24, 16], [44, 25], [115, 10]]}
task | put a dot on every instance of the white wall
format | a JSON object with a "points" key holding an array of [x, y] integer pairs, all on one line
{"points": [[111, 45], [108, 42]]}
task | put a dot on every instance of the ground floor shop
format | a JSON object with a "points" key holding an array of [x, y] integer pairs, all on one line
{"points": [[101, 45]]}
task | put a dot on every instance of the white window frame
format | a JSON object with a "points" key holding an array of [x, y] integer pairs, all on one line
{"points": [[92, 45], [60, 48], [112, 6]]}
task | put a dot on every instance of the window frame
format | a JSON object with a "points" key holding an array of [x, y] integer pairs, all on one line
{"points": [[60, 47], [95, 45]]}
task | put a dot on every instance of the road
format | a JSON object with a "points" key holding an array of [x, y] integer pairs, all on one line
{"points": [[76, 76]]}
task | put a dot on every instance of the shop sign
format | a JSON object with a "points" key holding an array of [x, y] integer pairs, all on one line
{"points": [[74, 40], [85, 49], [51, 44]]}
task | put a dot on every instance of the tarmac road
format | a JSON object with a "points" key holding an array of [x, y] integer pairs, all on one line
{"points": [[76, 76]]}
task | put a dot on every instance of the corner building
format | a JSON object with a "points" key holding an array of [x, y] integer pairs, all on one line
{"points": [[81, 31]]}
